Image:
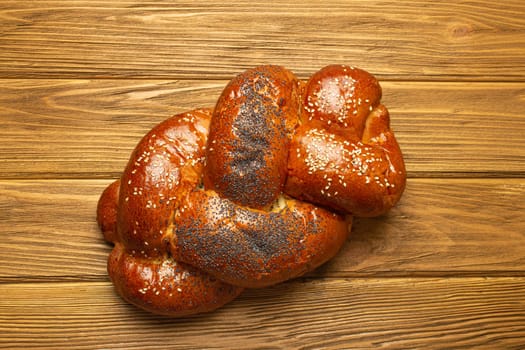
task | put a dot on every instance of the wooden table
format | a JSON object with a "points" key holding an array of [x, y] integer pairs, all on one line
{"points": [[82, 81]]}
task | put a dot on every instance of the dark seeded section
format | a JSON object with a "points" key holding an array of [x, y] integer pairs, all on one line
{"points": [[249, 150], [254, 130], [225, 239]]}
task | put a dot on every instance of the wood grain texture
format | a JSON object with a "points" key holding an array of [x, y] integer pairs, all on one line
{"points": [[396, 313], [445, 40], [474, 225], [86, 128], [81, 81]]}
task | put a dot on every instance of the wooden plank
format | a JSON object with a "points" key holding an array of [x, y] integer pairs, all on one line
{"points": [[50, 230], [426, 40], [393, 313], [441, 227], [83, 128], [87, 128]]}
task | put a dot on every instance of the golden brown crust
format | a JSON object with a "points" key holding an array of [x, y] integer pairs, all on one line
{"points": [[164, 167], [107, 211], [251, 194], [344, 155], [165, 286], [341, 98]]}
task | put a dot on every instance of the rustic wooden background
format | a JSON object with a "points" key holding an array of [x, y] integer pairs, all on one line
{"points": [[82, 81]]}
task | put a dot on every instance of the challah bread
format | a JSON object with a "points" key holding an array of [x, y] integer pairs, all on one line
{"points": [[258, 190]]}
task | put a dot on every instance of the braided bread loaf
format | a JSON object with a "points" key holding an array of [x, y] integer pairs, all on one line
{"points": [[259, 190]]}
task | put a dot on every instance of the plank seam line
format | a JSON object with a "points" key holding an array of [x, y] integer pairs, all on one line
{"points": [[511, 80], [305, 279]]}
